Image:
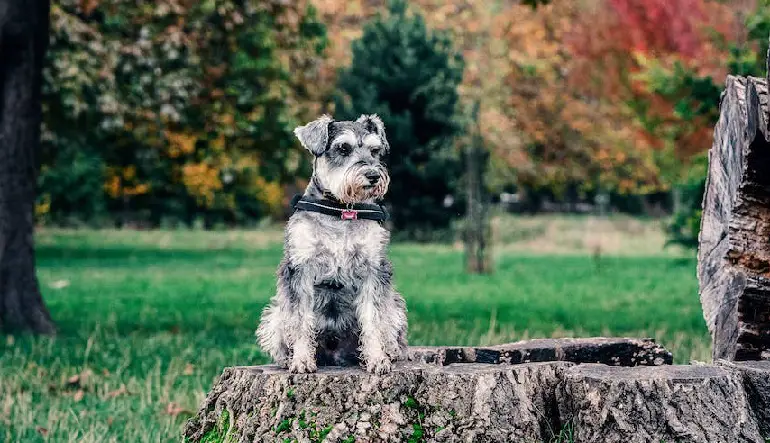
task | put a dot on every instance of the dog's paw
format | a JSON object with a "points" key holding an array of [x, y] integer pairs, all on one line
{"points": [[379, 366], [302, 366]]}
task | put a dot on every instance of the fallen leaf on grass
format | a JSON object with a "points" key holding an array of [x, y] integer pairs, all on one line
{"points": [[78, 395], [42, 431], [120, 391], [188, 369], [79, 379], [174, 409], [59, 284]]}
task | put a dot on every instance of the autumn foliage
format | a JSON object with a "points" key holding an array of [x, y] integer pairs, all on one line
{"points": [[186, 108]]}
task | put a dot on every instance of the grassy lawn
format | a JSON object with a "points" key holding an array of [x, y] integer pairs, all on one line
{"points": [[148, 319]]}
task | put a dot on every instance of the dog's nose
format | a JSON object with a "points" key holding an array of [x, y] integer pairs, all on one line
{"points": [[373, 177]]}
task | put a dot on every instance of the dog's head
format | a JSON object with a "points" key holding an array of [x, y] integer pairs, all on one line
{"points": [[348, 156]]}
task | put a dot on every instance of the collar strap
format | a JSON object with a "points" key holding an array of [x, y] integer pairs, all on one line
{"points": [[354, 211]]}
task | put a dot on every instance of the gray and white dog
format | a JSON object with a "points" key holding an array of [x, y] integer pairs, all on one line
{"points": [[335, 303]]}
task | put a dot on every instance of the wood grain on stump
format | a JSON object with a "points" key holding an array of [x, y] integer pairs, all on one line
{"points": [[417, 401], [704, 404], [734, 250], [756, 382], [609, 351]]}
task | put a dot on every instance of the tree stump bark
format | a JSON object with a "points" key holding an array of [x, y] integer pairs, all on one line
{"points": [[609, 351], [704, 404], [756, 383], [23, 43], [416, 402], [734, 251]]}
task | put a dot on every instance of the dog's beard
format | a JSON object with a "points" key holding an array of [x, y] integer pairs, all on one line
{"points": [[354, 187]]}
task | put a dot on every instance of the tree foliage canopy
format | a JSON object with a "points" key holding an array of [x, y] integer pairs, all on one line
{"points": [[179, 107], [409, 76]]}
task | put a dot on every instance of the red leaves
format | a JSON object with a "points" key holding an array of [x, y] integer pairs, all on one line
{"points": [[661, 25]]}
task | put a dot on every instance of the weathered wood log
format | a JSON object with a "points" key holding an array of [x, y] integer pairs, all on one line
{"points": [[701, 404], [734, 251], [756, 382], [609, 351], [415, 402]]}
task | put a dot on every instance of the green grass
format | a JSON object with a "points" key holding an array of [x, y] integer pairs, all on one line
{"points": [[149, 319]]}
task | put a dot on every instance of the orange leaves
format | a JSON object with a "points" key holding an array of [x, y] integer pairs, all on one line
{"points": [[123, 182], [180, 143], [270, 193], [202, 181], [88, 6]]}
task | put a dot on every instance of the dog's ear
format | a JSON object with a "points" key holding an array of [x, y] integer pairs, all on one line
{"points": [[374, 124], [314, 136]]}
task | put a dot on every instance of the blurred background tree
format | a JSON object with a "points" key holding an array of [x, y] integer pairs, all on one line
{"points": [[180, 113], [183, 110], [409, 76]]}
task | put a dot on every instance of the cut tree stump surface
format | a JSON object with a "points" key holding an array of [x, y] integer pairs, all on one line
{"points": [[471, 402], [476, 402], [756, 381], [431, 400], [609, 351], [705, 404]]}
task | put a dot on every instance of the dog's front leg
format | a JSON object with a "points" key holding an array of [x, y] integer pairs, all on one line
{"points": [[302, 324], [369, 306]]}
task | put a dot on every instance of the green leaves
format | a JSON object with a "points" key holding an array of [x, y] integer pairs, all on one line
{"points": [[124, 79], [409, 76]]}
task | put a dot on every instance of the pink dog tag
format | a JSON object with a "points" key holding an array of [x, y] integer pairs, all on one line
{"points": [[349, 214]]}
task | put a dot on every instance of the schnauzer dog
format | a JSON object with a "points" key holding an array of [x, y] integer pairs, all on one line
{"points": [[335, 303]]}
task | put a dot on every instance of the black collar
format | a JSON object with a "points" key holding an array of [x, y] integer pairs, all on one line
{"points": [[333, 207]]}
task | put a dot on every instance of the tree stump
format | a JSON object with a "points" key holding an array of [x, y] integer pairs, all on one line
{"points": [[704, 404], [416, 402], [609, 351], [756, 382], [734, 251]]}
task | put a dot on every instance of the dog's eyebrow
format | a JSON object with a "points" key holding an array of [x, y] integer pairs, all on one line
{"points": [[346, 136], [372, 140]]}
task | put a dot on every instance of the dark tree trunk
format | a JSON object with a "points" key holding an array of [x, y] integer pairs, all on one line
{"points": [[477, 228], [734, 252], [23, 42]]}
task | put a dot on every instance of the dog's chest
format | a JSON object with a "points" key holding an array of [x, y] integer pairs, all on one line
{"points": [[335, 246]]}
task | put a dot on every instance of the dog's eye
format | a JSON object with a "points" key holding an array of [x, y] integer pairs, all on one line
{"points": [[376, 152], [345, 149]]}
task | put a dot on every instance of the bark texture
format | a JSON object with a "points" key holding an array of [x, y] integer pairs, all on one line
{"points": [[23, 42], [609, 351], [734, 252], [478, 233], [756, 382], [701, 404], [415, 402]]}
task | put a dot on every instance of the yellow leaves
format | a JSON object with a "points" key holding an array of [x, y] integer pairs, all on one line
{"points": [[202, 182], [218, 144], [129, 173], [269, 193], [112, 186], [180, 143], [139, 189], [122, 182], [43, 206]]}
